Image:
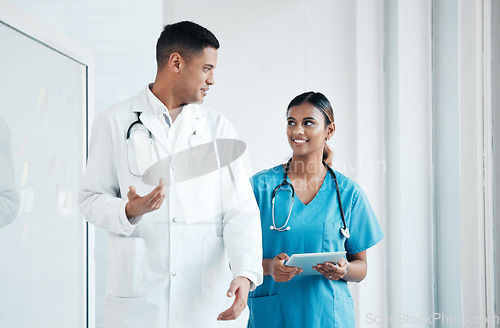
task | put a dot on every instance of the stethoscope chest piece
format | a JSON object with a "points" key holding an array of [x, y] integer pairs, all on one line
{"points": [[345, 232], [194, 140], [279, 229]]}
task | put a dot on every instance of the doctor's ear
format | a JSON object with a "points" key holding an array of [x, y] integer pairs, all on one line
{"points": [[175, 61]]}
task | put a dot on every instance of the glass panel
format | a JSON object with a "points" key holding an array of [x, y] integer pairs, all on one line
{"points": [[496, 143], [42, 152]]}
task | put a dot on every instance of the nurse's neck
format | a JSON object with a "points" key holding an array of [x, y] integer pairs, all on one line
{"points": [[307, 166]]}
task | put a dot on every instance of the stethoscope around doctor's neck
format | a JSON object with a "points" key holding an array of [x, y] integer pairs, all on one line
{"points": [[287, 186], [193, 141]]}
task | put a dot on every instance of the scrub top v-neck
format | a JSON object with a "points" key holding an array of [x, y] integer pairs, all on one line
{"points": [[309, 301]]}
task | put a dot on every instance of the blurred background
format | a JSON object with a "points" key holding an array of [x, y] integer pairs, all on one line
{"points": [[415, 90]]}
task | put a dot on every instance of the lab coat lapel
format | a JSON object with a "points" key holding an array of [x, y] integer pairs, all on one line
{"points": [[153, 124], [148, 118], [187, 125], [183, 159]]}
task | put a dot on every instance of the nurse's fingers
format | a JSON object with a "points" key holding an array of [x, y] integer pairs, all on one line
{"points": [[342, 262], [330, 271], [283, 257], [336, 268], [278, 263], [282, 276], [288, 270], [324, 273]]}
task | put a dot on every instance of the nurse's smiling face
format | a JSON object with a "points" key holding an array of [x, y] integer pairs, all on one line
{"points": [[307, 130]]}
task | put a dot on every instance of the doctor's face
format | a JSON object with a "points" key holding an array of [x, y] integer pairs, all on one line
{"points": [[307, 130], [196, 76]]}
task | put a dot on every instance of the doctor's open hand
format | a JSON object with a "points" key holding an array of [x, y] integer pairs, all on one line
{"points": [[240, 286], [278, 270], [138, 206]]}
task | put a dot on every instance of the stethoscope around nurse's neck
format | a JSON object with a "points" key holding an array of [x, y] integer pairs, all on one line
{"points": [[287, 186]]}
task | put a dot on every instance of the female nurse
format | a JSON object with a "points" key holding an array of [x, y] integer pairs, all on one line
{"points": [[307, 219]]}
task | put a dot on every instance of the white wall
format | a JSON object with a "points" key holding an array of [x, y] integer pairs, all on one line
{"points": [[272, 51], [463, 160], [408, 92]]}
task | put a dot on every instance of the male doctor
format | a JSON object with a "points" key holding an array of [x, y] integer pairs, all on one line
{"points": [[185, 251]]}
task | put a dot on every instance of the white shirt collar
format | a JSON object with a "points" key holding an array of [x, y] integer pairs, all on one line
{"points": [[158, 107]]}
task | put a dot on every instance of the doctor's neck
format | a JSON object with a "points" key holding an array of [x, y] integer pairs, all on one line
{"points": [[167, 97], [307, 165]]}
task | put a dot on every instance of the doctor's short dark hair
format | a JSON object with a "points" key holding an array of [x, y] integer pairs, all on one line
{"points": [[186, 38]]}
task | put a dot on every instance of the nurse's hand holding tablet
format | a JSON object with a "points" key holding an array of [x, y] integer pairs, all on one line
{"points": [[333, 271], [332, 265], [278, 270]]}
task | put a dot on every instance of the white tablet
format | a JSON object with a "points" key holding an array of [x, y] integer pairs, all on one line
{"points": [[307, 260]]}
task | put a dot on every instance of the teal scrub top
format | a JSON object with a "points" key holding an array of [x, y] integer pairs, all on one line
{"points": [[309, 301]]}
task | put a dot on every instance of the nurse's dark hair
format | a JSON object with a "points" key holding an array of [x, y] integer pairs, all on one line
{"points": [[320, 102], [186, 38]]}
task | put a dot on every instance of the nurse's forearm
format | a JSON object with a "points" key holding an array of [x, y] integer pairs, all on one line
{"points": [[356, 272], [267, 265]]}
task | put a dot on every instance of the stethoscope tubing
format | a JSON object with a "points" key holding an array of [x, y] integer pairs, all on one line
{"points": [[194, 140], [344, 230]]}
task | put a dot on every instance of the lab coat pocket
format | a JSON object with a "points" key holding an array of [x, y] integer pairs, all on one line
{"points": [[215, 274], [126, 267], [265, 312]]}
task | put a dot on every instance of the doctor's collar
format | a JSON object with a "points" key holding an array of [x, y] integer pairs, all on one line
{"points": [[158, 107]]}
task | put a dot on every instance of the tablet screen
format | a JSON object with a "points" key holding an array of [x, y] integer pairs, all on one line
{"points": [[306, 261]]}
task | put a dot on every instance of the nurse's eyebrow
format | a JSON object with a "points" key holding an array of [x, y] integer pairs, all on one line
{"points": [[304, 119]]}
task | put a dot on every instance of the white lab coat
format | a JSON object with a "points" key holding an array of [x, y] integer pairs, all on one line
{"points": [[174, 267]]}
